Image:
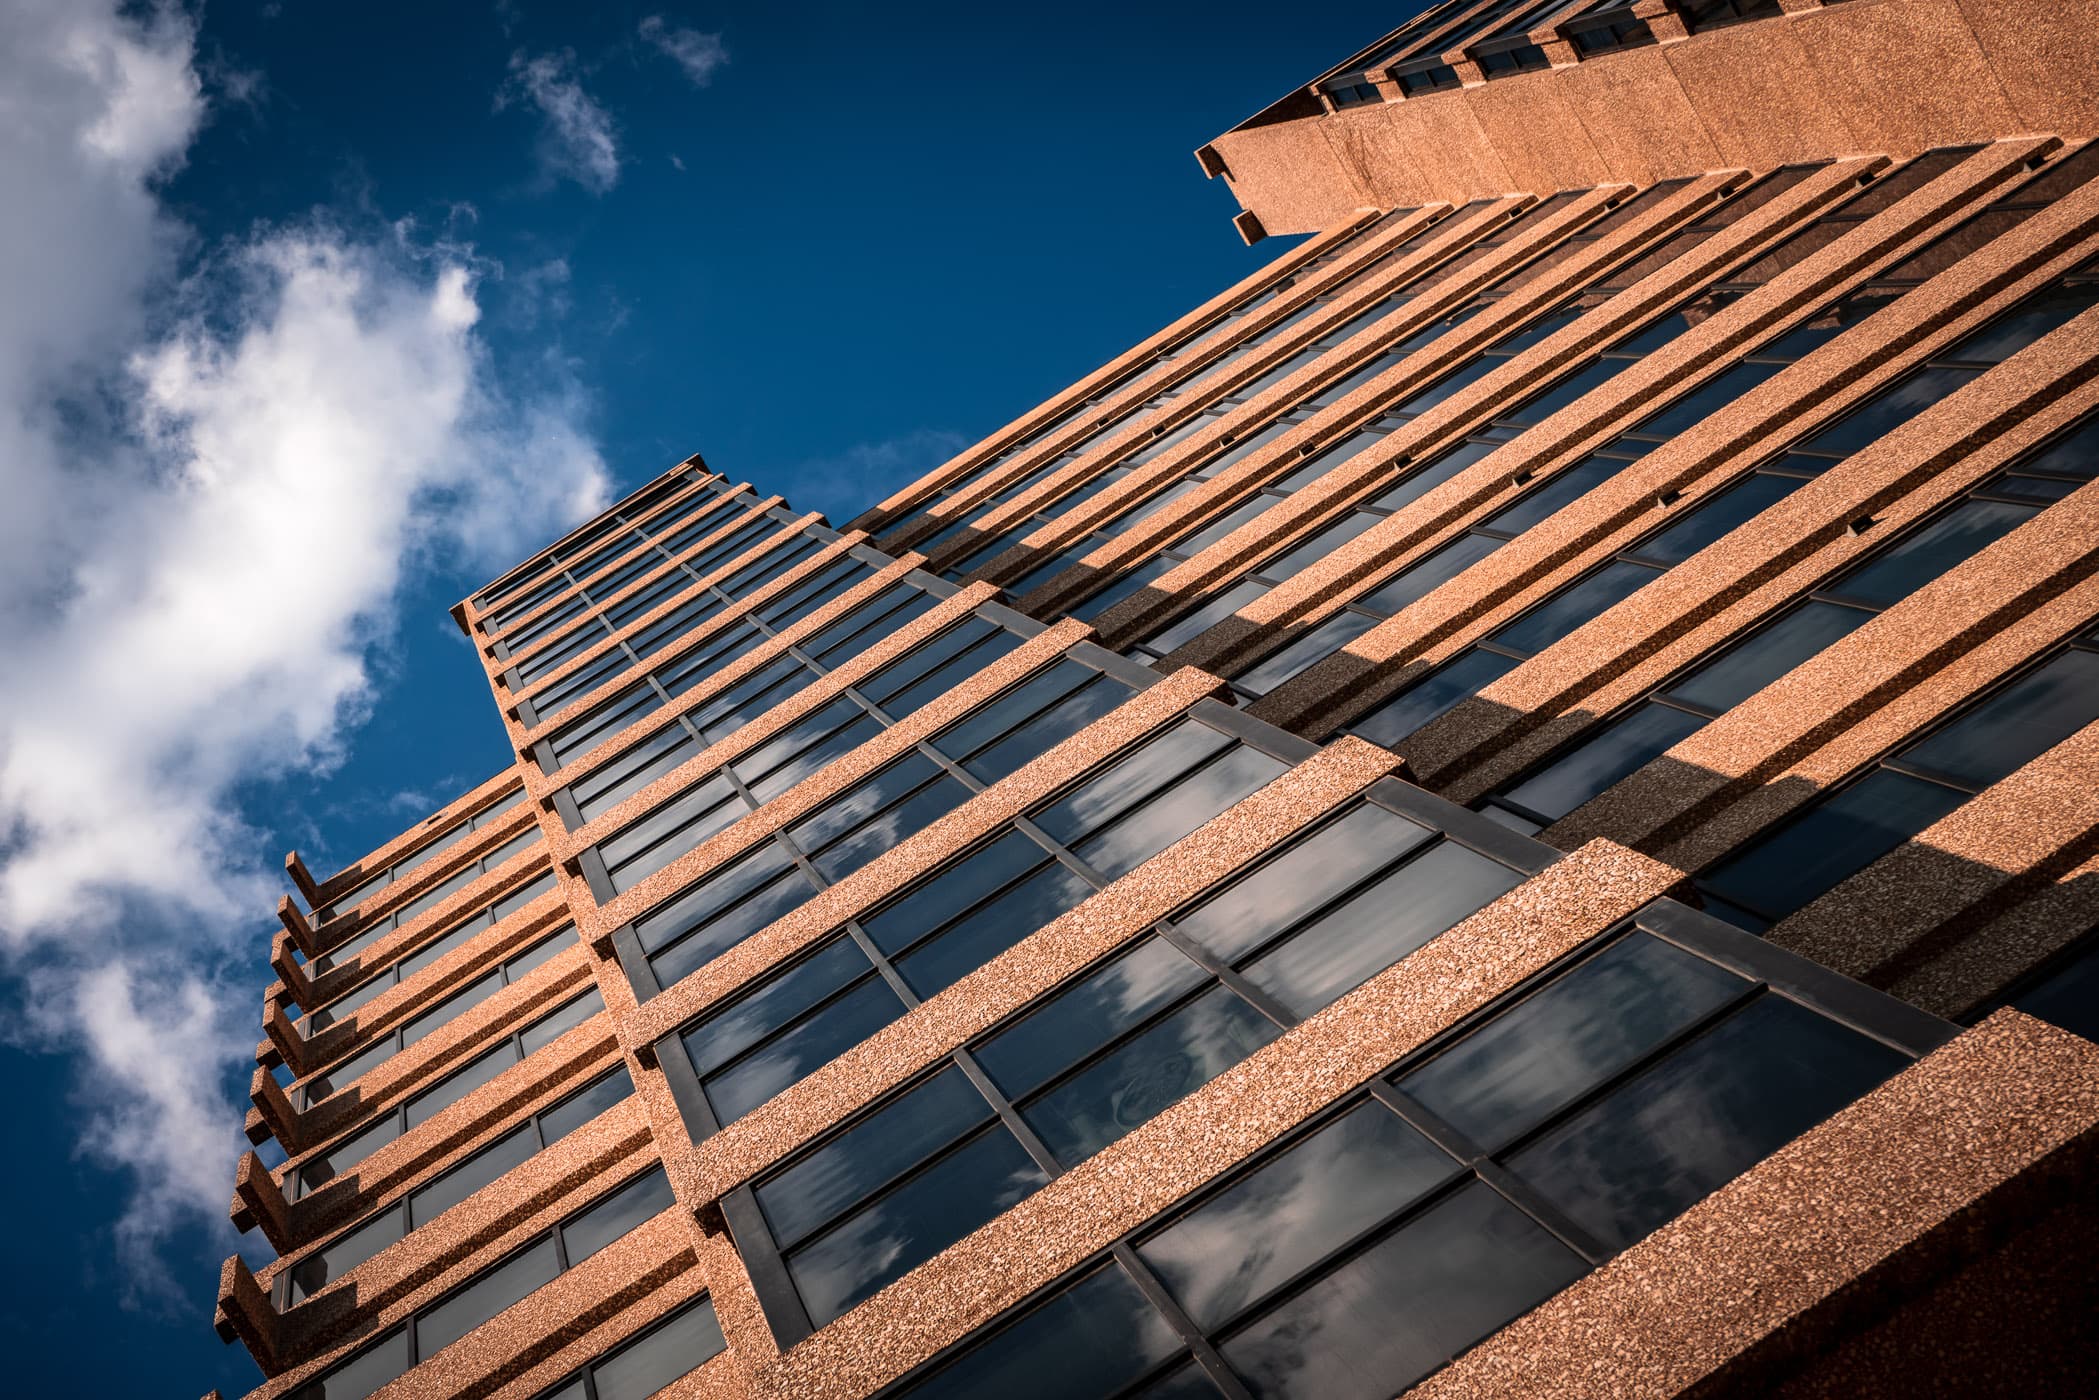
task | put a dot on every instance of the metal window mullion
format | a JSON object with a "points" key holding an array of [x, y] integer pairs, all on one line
{"points": [[1204, 1353]]}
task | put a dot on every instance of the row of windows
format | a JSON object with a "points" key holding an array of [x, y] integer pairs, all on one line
{"points": [[506, 589], [1716, 683], [379, 926], [1233, 401], [900, 527], [1722, 511], [513, 1049], [456, 935], [1413, 479], [779, 551], [414, 860], [1479, 1177], [795, 667], [651, 545], [1508, 421], [944, 926], [506, 973], [787, 869], [1843, 831], [1250, 439], [1170, 403], [419, 1207], [1087, 1062], [494, 1289]]}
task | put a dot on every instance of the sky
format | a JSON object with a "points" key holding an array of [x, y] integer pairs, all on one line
{"points": [[316, 316]]}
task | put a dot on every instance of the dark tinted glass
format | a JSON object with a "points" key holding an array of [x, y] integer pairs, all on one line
{"points": [[1761, 658], [1676, 1132], [913, 1222], [2067, 995], [757, 1014], [1089, 1340], [1154, 1069], [1410, 709], [361, 1374], [1715, 394], [1189, 626], [1401, 1309], [1421, 579], [652, 1362], [1255, 908], [564, 1118], [782, 1061], [1600, 762], [1895, 407], [1837, 838], [1707, 522], [856, 1162], [1560, 614], [988, 930], [1129, 781], [950, 890], [693, 909], [474, 1173], [1315, 646], [1379, 925], [2016, 725], [1504, 1078], [1297, 1208], [438, 1327], [642, 1199], [1183, 807]]}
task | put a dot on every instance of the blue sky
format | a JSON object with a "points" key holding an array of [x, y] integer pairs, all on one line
{"points": [[320, 315]]}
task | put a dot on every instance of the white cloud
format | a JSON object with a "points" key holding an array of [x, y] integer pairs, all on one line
{"points": [[698, 54], [576, 140], [219, 472]]}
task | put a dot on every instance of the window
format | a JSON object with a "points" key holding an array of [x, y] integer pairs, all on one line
{"points": [[361, 1241], [638, 1369], [1478, 1178], [1843, 831], [319, 1086], [1547, 622], [495, 1289], [317, 1169], [415, 859], [383, 979], [1722, 680], [1098, 1056]]}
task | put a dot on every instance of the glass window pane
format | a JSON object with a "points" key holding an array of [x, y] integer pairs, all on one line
{"points": [[1086, 1015], [950, 890], [1560, 614], [1600, 762], [1045, 730], [1129, 781], [777, 900], [1715, 394], [1297, 1208], [1258, 906], [1182, 808], [2068, 994], [647, 1365], [1307, 651], [1709, 520], [572, 1113], [855, 1163], [1407, 711], [1839, 836], [888, 829], [362, 1374], [788, 1058], [1189, 626], [757, 1014], [1393, 1314], [1556, 493], [1504, 1078], [2016, 725], [1929, 552], [1089, 1340], [438, 1327], [1762, 657], [911, 1224], [985, 932], [1894, 407], [1379, 926], [1296, 561], [552, 1027], [460, 1082], [1417, 581], [1156, 1068], [1675, 1133], [640, 1200], [691, 910], [471, 1175], [320, 1268]]}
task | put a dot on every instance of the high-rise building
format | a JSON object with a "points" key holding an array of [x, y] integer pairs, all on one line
{"points": [[1509, 806]]}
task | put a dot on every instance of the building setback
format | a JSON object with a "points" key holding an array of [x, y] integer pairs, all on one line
{"points": [[1510, 806]]}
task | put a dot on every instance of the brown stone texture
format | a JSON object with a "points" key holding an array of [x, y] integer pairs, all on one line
{"points": [[1833, 80]]}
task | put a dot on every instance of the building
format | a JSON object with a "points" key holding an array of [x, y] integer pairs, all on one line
{"points": [[1506, 807]]}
